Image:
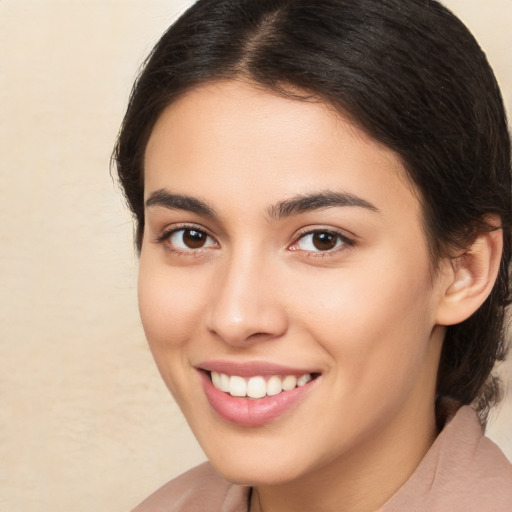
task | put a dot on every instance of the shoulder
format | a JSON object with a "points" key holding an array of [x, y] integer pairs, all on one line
{"points": [[464, 471], [472, 456], [200, 488]]}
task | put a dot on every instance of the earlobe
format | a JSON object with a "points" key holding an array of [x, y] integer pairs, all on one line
{"points": [[471, 277]]}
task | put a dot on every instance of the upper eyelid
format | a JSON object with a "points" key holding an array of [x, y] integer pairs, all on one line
{"points": [[343, 233], [186, 225], [166, 233], [347, 237], [347, 242]]}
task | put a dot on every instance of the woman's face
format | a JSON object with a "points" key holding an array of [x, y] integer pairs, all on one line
{"points": [[283, 245]]}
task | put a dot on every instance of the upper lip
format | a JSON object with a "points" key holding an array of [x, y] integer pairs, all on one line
{"points": [[252, 368]]}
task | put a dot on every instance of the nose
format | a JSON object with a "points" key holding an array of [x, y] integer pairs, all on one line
{"points": [[244, 307]]}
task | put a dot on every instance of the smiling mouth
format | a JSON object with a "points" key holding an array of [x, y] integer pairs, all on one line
{"points": [[254, 393], [258, 386]]}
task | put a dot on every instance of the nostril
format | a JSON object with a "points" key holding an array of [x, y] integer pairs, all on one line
{"points": [[241, 310]]}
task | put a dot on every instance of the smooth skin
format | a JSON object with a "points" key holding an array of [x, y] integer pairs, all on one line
{"points": [[347, 290]]}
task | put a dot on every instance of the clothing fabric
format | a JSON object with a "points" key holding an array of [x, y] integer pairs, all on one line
{"points": [[463, 471]]}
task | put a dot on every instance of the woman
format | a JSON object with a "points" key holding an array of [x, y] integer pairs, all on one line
{"points": [[322, 193]]}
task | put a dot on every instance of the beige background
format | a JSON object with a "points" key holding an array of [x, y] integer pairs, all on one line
{"points": [[85, 423]]}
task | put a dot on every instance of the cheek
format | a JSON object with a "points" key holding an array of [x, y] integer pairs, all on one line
{"points": [[170, 303], [375, 322]]}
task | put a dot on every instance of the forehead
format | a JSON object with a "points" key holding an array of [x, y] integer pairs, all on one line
{"points": [[233, 140]]}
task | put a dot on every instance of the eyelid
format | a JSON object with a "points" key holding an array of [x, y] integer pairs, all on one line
{"points": [[347, 241], [167, 232]]}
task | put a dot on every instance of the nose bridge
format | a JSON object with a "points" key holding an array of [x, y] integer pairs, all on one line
{"points": [[243, 304]]}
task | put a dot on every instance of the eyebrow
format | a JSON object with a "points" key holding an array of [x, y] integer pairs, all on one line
{"points": [[287, 208], [179, 202], [318, 201]]}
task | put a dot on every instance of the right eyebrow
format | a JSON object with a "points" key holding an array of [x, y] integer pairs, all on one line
{"points": [[318, 201], [171, 201]]}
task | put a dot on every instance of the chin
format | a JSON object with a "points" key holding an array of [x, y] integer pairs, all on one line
{"points": [[256, 463], [253, 473]]}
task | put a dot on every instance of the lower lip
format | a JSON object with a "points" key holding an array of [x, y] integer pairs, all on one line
{"points": [[249, 412]]}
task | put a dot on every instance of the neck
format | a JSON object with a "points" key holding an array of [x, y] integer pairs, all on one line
{"points": [[363, 479]]}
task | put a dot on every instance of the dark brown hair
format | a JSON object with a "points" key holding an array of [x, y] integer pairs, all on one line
{"points": [[408, 73]]}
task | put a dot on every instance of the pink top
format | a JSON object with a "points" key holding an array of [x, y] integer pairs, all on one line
{"points": [[463, 471]]}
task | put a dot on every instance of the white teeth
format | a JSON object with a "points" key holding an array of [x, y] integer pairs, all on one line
{"points": [[303, 379], [274, 386], [216, 379], [257, 387], [289, 382], [224, 382], [237, 386]]}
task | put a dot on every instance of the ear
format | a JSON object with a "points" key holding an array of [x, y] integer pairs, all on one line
{"points": [[470, 277]]}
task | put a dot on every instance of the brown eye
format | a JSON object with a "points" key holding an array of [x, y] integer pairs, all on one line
{"points": [[324, 241], [189, 239], [194, 239], [321, 241]]}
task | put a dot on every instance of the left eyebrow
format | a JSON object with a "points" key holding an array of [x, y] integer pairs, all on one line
{"points": [[318, 201], [171, 201]]}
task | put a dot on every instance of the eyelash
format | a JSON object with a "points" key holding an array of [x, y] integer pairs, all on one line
{"points": [[165, 238], [343, 241]]}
